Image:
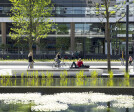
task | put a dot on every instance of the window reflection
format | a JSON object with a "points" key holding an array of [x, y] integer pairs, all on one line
{"points": [[85, 29], [79, 8]]}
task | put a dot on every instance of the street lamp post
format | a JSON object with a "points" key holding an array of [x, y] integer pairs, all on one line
{"points": [[127, 25], [133, 55], [116, 39], [133, 49]]}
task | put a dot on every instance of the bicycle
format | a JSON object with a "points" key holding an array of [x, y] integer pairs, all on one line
{"points": [[58, 63]]}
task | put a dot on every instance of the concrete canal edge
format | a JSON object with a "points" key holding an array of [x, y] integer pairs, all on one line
{"points": [[56, 72], [58, 89]]}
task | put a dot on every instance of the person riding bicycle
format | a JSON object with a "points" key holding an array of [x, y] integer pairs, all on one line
{"points": [[57, 59]]}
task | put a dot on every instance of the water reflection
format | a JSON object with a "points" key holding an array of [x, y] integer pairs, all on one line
{"points": [[67, 82], [66, 102]]}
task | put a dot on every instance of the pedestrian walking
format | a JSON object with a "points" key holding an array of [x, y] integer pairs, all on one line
{"points": [[30, 60], [122, 58], [130, 60]]}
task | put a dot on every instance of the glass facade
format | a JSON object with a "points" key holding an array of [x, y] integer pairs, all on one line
{"points": [[89, 29], [5, 7], [119, 38], [78, 8], [0, 28], [63, 28], [89, 36]]}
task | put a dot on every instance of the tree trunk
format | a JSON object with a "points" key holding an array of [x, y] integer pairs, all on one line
{"points": [[108, 47], [108, 36], [30, 35]]}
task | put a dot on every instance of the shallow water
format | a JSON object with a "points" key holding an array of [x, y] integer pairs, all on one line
{"points": [[66, 102], [67, 82]]}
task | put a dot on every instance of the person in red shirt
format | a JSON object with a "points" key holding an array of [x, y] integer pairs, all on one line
{"points": [[78, 64]]}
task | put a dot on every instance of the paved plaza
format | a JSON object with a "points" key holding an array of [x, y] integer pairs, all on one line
{"points": [[8, 67]]}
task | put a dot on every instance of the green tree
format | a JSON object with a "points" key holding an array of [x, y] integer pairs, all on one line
{"points": [[62, 43], [31, 19], [3, 47], [62, 29], [21, 44], [104, 10]]}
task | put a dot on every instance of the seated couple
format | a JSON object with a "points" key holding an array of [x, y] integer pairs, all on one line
{"points": [[79, 64]]}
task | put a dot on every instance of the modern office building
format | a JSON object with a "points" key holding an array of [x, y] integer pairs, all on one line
{"points": [[79, 28]]}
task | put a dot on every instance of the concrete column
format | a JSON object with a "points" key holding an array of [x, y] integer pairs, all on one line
{"points": [[3, 32], [72, 36], [106, 48]]}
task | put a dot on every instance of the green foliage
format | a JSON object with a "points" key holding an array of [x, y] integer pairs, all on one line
{"points": [[111, 74], [33, 81], [63, 82], [79, 81], [62, 43], [15, 74], [80, 74], [94, 74], [126, 79], [80, 78], [49, 79], [49, 75], [63, 78], [36, 74], [62, 29], [66, 60], [94, 78], [43, 75], [126, 75], [27, 75], [93, 82], [22, 75], [31, 19], [102, 81], [43, 79], [49, 82], [126, 82], [110, 82], [22, 81], [63, 74], [4, 46], [15, 82], [37, 82]]}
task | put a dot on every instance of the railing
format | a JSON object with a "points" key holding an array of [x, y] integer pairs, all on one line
{"points": [[52, 56]]}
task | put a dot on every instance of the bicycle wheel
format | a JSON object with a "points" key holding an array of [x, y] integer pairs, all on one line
{"points": [[53, 65]]}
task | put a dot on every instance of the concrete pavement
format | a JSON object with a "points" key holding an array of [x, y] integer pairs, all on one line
{"points": [[7, 67]]}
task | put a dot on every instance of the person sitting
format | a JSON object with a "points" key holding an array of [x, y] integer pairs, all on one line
{"points": [[79, 64]]}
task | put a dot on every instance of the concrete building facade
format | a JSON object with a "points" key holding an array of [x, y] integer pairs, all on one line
{"points": [[80, 29]]}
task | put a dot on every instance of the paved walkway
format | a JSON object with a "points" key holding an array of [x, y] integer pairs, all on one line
{"points": [[7, 67], [99, 63]]}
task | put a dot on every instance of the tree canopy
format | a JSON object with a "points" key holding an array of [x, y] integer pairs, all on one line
{"points": [[104, 10], [31, 19]]}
